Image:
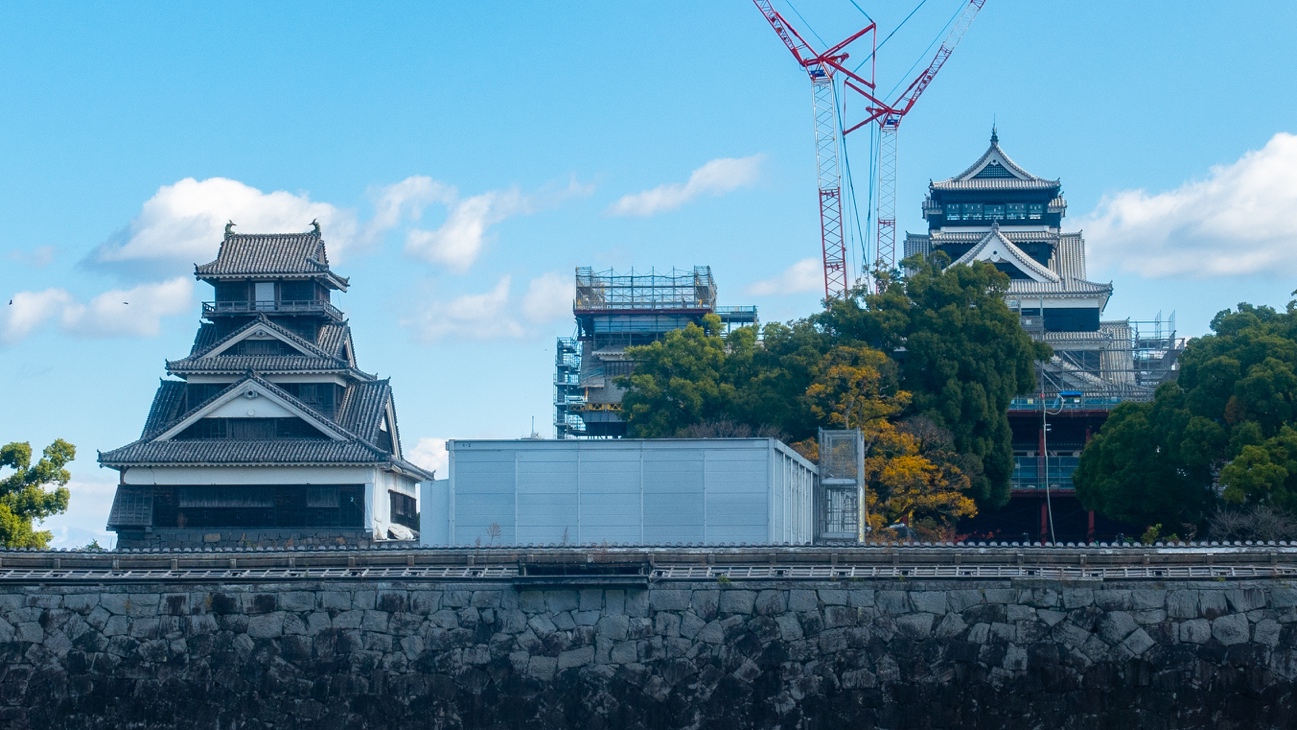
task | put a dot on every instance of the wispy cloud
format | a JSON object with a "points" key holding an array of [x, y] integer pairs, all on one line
{"points": [[804, 276], [714, 178], [496, 313], [430, 453], [183, 224], [1236, 221], [40, 257], [135, 312], [459, 240]]}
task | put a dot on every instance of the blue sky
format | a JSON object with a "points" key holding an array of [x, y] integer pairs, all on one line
{"points": [[464, 158]]}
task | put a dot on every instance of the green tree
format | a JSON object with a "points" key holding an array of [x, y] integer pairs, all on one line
{"points": [[962, 354], [23, 494], [678, 381], [1224, 427]]}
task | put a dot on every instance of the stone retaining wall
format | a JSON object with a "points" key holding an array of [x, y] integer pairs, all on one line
{"points": [[922, 654]]}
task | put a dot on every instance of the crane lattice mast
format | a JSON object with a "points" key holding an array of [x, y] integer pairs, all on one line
{"points": [[822, 67]]}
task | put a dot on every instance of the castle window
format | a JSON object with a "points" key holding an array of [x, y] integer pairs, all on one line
{"points": [[952, 211], [1015, 211], [994, 212], [1035, 211], [972, 211]]}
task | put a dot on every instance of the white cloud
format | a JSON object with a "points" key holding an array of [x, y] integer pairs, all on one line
{"points": [[495, 314], [461, 237], [405, 201], [135, 312], [716, 177], [804, 276], [183, 223], [549, 297], [40, 257], [482, 316], [1236, 221], [430, 453]]}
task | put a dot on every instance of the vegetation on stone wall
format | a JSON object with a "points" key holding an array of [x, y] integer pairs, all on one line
{"points": [[1223, 436], [23, 494], [926, 368]]}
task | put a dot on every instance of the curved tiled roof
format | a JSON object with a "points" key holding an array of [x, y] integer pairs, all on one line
{"points": [[1008, 174], [1012, 253], [291, 255]]}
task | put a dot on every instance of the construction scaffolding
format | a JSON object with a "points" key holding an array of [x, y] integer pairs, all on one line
{"points": [[1122, 360], [613, 312], [841, 490]]}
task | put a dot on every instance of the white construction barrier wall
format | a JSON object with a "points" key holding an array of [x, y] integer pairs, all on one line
{"points": [[624, 491]]}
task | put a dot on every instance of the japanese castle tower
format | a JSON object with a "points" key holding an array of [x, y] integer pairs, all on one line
{"points": [[997, 212], [269, 435]]}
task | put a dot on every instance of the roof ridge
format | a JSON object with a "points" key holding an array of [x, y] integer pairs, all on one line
{"points": [[1012, 248], [262, 319]]}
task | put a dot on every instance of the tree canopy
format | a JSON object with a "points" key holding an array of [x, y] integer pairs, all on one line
{"points": [[1224, 431], [938, 347], [23, 494]]}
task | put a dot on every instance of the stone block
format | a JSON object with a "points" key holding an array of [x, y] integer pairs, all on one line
{"points": [[929, 601], [1015, 612], [117, 604], [771, 603], [1113, 599], [690, 625], [1285, 597], [832, 596], [832, 641], [578, 657], [364, 600], [951, 625], [335, 600], [350, 620], [669, 599], [613, 627], [456, 599], [29, 632], [803, 600], [564, 621], [666, 624], [1077, 598], [541, 624], [486, 599], [747, 672], [1148, 598], [532, 601], [587, 618], [1000, 595], [1267, 632], [705, 603], [374, 621], [1150, 616], [637, 603], [1212, 603], [1231, 629], [266, 625], [1138, 642], [963, 599], [859, 679], [542, 667], [737, 601], [1015, 659], [893, 602], [623, 652], [1182, 603], [297, 601], [712, 633], [838, 616], [1116, 626], [82, 603], [916, 626], [1195, 631], [591, 599], [614, 602], [1242, 600], [558, 601], [790, 629], [860, 598]]}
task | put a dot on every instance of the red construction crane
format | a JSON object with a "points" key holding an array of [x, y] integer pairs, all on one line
{"points": [[821, 67]]}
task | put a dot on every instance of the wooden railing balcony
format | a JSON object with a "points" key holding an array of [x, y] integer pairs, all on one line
{"points": [[281, 306]]}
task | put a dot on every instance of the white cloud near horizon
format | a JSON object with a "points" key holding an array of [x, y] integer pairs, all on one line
{"points": [[459, 240], [134, 312], [430, 453], [716, 177], [495, 314], [804, 276], [1236, 221], [86, 516], [183, 223]]}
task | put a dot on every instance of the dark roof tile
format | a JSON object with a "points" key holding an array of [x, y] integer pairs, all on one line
{"points": [[271, 254]]}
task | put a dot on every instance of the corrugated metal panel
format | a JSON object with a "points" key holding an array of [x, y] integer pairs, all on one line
{"points": [[625, 491]]}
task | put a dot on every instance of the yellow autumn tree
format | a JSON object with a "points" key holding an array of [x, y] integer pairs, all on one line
{"points": [[911, 474]]}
